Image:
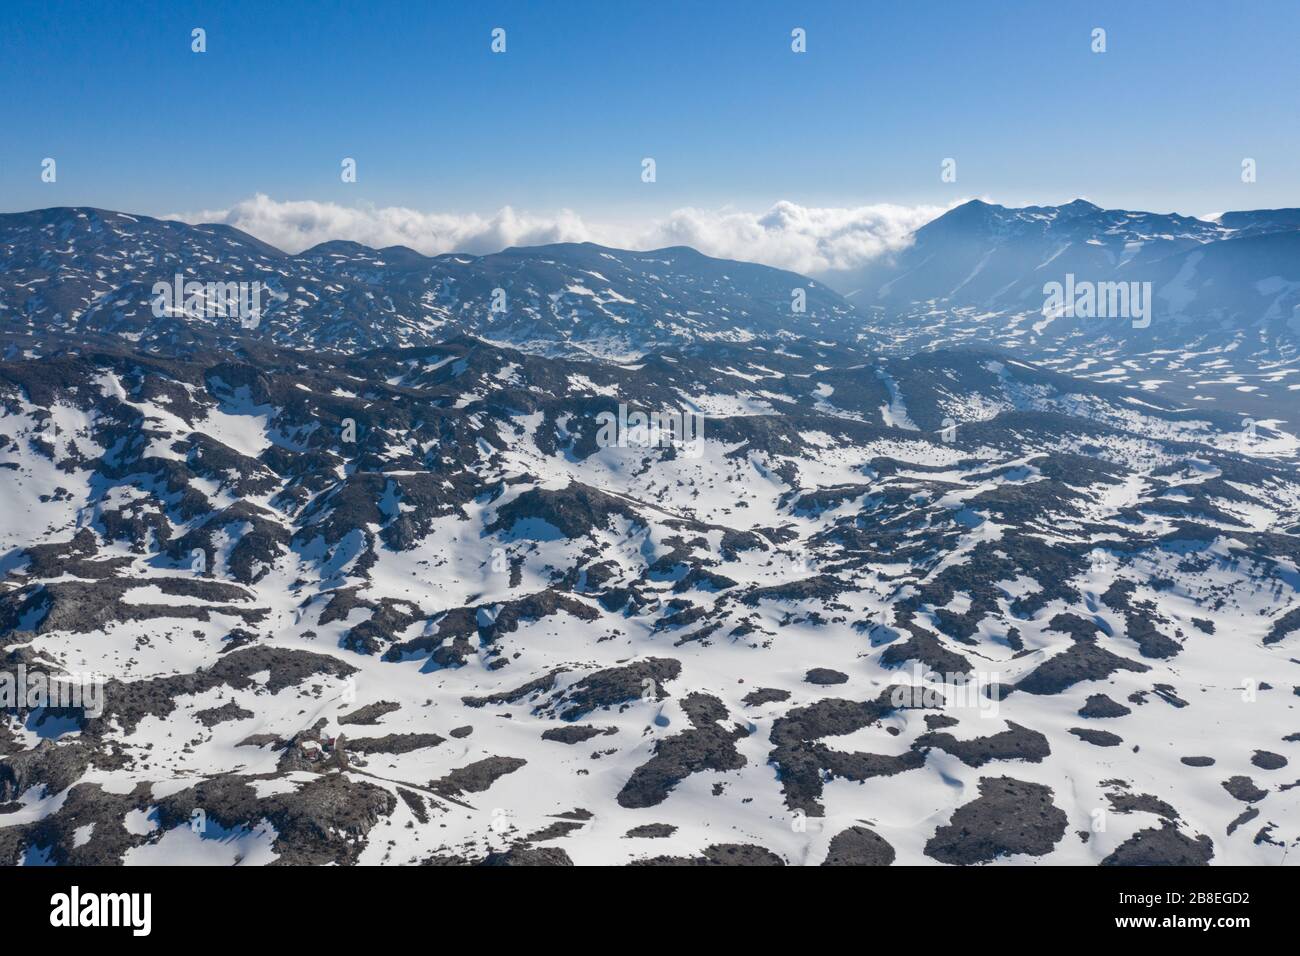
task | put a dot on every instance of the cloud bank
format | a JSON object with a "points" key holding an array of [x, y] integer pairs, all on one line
{"points": [[789, 236]]}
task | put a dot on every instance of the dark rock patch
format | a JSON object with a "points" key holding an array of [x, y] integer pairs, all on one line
{"points": [[1140, 619], [575, 511], [392, 743], [1243, 818], [370, 713], [52, 765], [940, 721], [416, 803], [705, 746], [858, 846], [800, 760], [650, 831], [1162, 846], [85, 805], [764, 695], [1014, 743], [1008, 817], [1079, 662], [528, 856], [1080, 629], [325, 820], [477, 776], [554, 831], [1244, 789], [720, 854], [825, 676], [576, 733], [219, 715], [130, 702], [539, 685], [1098, 738], [1267, 760], [1099, 706], [619, 685], [925, 649], [1288, 623], [1121, 801], [823, 588]]}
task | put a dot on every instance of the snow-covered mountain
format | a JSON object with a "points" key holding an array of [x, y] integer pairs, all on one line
{"points": [[1220, 299], [998, 259], [91, 272], [442, 601]]}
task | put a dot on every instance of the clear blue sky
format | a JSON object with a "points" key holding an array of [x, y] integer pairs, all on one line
{"points": [[711, 90]]}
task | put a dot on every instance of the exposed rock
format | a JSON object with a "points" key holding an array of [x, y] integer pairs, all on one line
{"points": [[219, 715], [325, 820], [1244, 789], [55, 767], [824, 676], [1079, 662], [858, 846], [1267, 760], [528, 856], [1014, 743], [720, 854], [577, 733], [619, 685], [1099, 706], [764, 695], [650, 831], [393, 743], [1098, 738], [370, 713], [1009, 817], [1162, 846], [477, 776], [705, 746]]}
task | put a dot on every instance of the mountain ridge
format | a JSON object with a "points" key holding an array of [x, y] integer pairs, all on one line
{"points": [[1225, 290]]}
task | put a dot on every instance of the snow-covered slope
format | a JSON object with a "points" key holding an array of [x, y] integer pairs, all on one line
{"points": [[953, 608]]}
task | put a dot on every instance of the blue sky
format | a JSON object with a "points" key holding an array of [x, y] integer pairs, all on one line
{"points": [[712, 91]]}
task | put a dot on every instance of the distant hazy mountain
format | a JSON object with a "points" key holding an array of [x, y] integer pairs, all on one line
{"points": [[1237, 274]]}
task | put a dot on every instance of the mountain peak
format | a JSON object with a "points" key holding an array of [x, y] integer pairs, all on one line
{"points": [[1076, 209]]}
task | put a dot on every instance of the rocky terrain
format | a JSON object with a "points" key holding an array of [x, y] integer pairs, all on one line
{"points": [[367, 585]]}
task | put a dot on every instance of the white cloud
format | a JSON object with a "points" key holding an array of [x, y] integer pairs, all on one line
{"points": [[297, 225], [802, 238], [805, 239]]}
